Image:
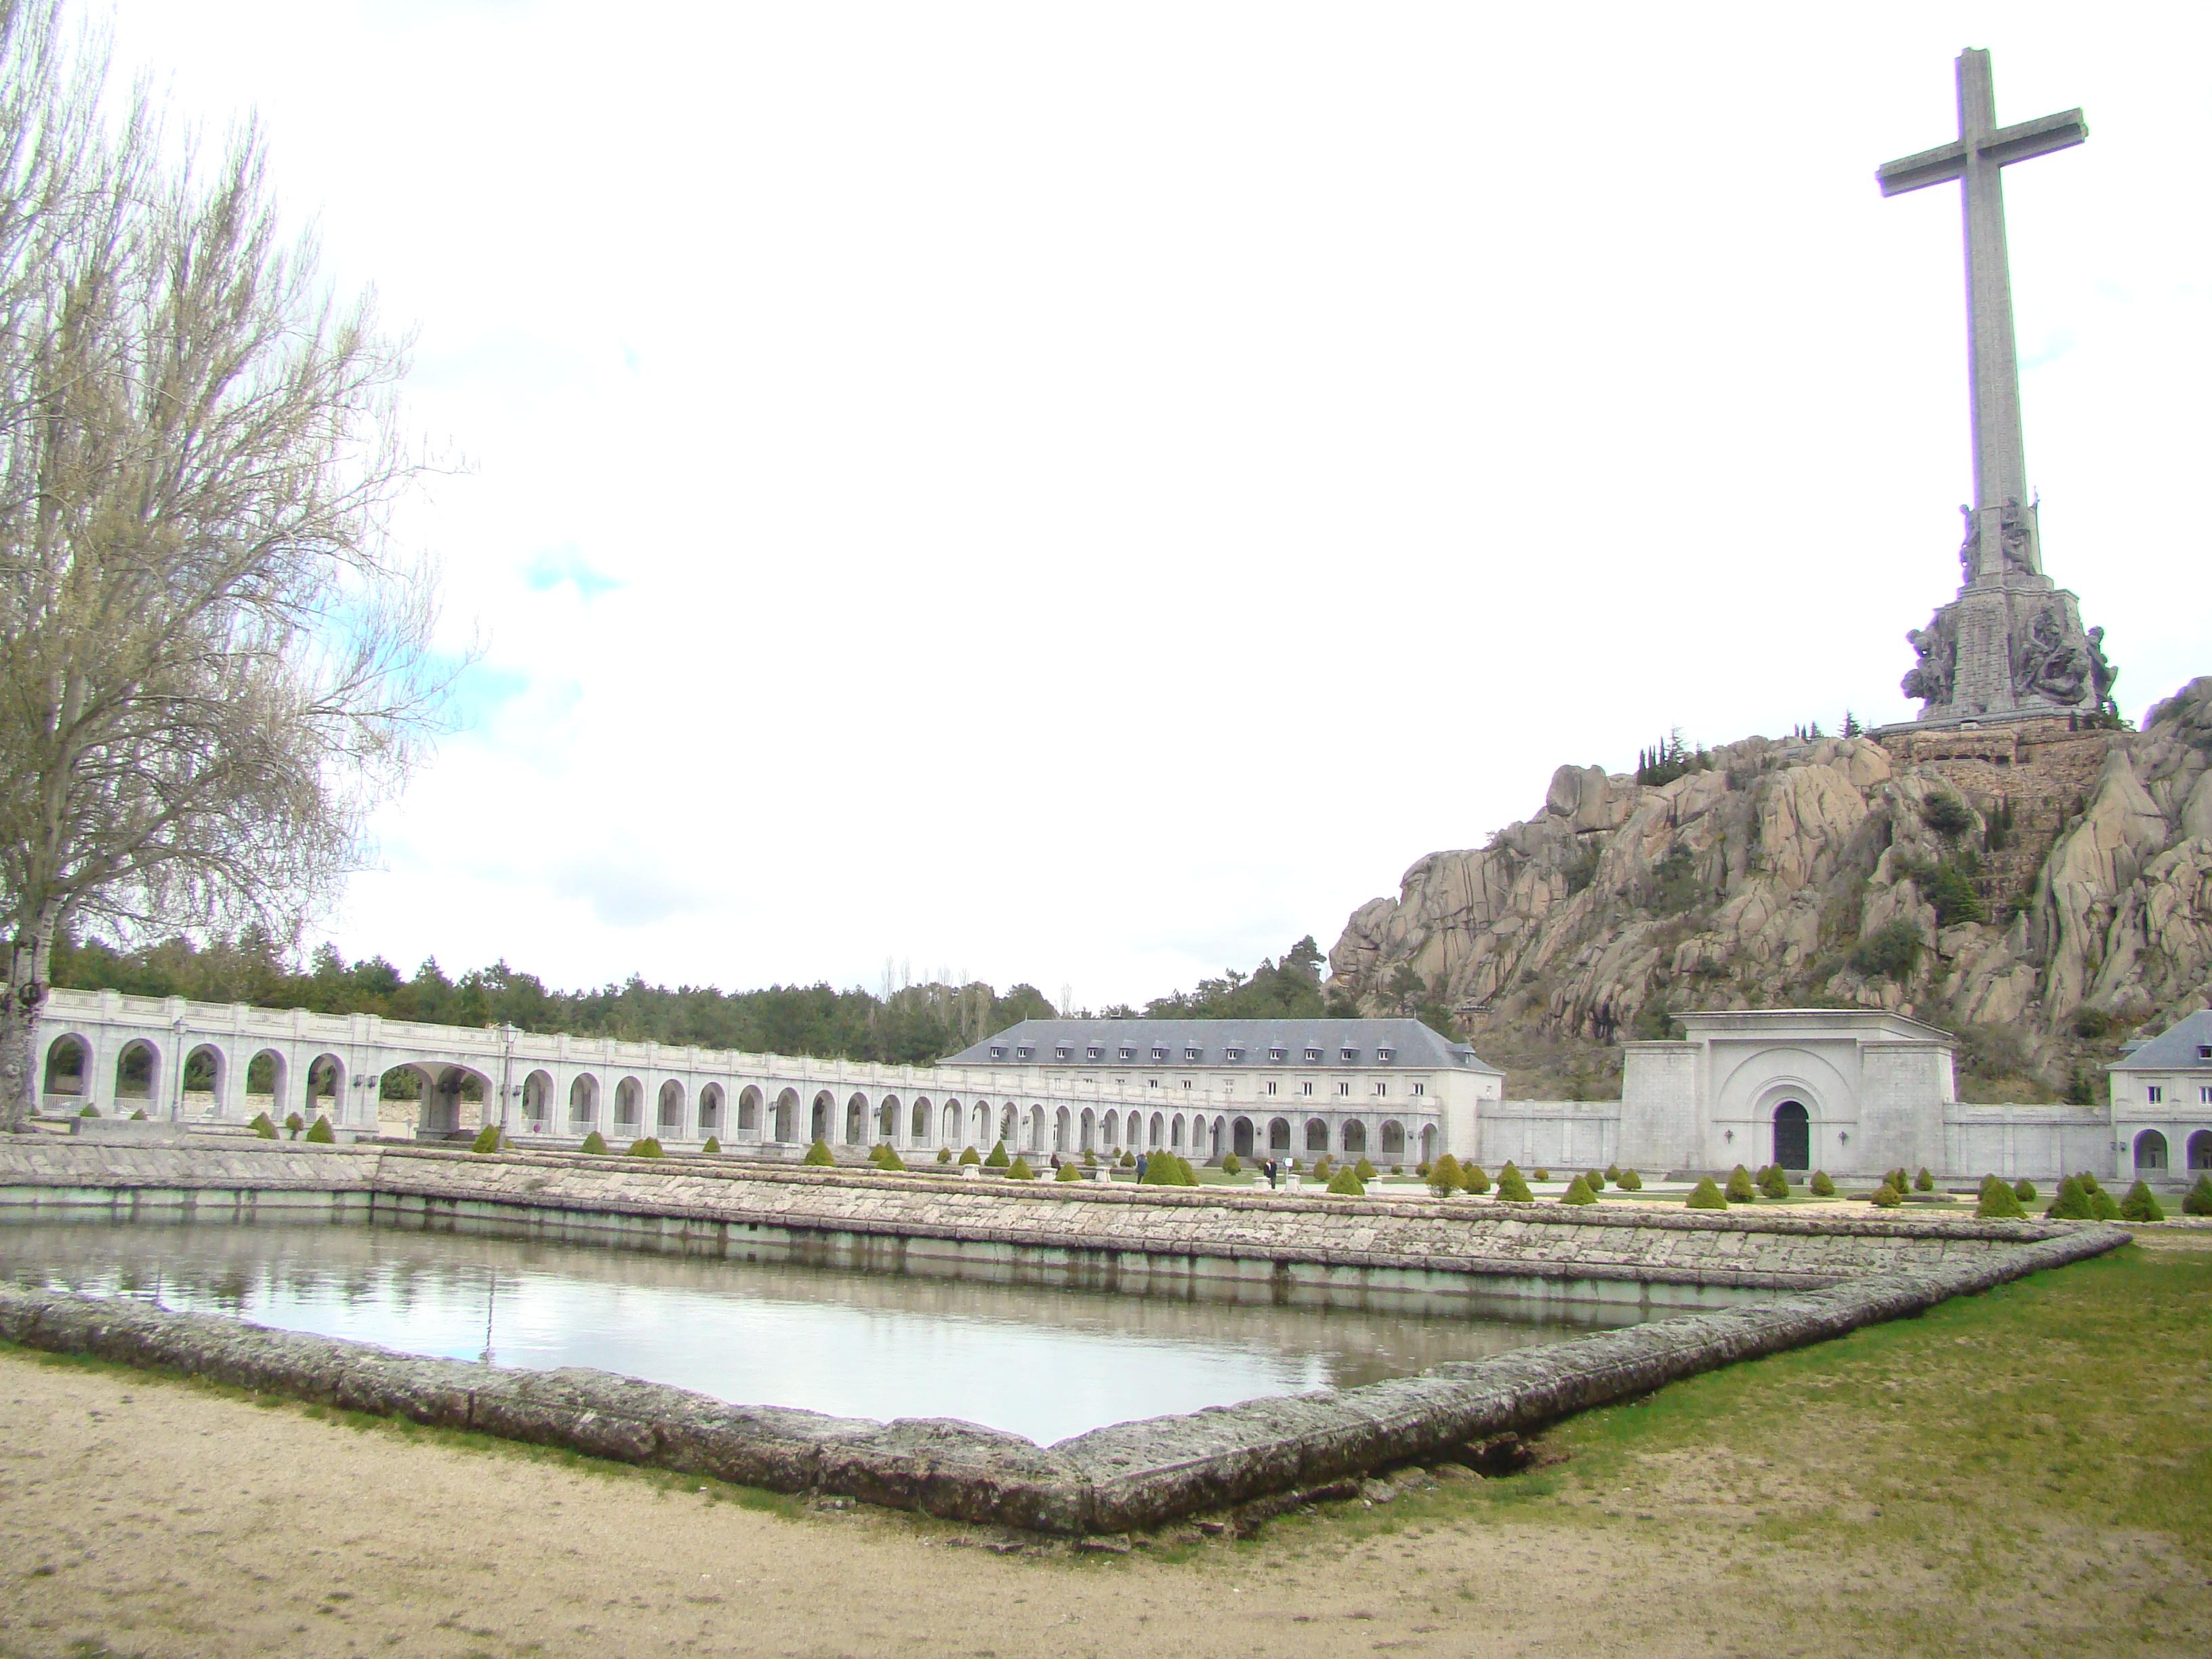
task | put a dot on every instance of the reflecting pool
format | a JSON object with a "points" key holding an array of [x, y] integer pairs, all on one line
{"points": [[1042, 1363]]}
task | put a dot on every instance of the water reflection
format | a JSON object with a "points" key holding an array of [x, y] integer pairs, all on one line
{"points": [[1044, 1364]]}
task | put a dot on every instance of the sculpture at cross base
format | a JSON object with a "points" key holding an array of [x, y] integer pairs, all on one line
{"points": [[2010, 646]]}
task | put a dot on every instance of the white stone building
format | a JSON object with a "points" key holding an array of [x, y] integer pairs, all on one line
{"points": [[1391, 1090], [2162, 1101]]}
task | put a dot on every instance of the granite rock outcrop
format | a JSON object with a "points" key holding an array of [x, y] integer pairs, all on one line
{"points": [[2041, 887]]}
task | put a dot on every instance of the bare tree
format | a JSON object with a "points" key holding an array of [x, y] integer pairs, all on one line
{"points": [[212, 663]]}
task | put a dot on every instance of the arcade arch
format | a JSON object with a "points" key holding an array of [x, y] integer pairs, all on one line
{"points": [[583, 1103], [137, 1073], [69, 1065], [748, 1114], [2150, 1152], [710, 1110], [629, 1101], [537, 1098], [919, 1130], [2200, 1150], [668, 1116], [787, 1117]]}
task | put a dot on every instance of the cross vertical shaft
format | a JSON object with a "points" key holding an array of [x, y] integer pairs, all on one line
{"points": [[1993, 356], [2002, 535]]}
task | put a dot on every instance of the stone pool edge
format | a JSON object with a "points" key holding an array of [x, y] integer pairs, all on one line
{"points": [[1127, 1475]]}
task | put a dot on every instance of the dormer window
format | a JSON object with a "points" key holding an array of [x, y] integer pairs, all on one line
{"points": [[1232, 1055], [1128, 1054], [1386, 1055], [1192, 1054], [2204, 1051], [1313, 1056], [1093, 1052], [1023, 1051], [998, 1053], [1279, 1053], [1063, 1052], [1348, 1054], [1159, 1053]]}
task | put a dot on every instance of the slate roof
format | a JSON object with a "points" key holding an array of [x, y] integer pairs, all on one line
{"points": [[1412, 1044], [2174, 1050]]}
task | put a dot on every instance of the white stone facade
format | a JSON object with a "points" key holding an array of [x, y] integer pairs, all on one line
{"points": [[1391, 1090], [547, 1091]]}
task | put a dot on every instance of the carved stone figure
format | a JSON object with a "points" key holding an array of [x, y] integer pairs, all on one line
{"points": [[2102, 674], [1969, 543], [2045, 665], [1930, 678], [2016, 536]]}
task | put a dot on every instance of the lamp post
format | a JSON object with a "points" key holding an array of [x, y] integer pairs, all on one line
{"points": [[507, 1035], [177, 1094]]}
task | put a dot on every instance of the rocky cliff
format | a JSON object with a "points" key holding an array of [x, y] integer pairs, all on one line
{"points": [[2039, 890]]}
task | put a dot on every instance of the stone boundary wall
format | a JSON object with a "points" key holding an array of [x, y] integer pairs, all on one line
{"points": [[1475, 1237], [1129, 1475]]}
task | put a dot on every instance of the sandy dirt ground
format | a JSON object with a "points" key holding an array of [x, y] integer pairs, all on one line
{"points": [[146, 1515]]}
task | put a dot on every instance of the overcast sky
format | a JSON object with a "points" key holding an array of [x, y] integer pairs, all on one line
{"points": [[1089, 494]]}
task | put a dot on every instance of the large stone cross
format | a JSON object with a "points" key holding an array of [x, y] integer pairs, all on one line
{"points": [[2002, 532]]}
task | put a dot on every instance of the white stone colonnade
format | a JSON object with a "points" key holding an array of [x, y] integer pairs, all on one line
{"points": [[215, 1062]]}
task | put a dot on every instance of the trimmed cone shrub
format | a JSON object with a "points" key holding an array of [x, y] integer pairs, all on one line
{"points": [[1592, 1180], [1345, 1183], [138, 1116], [1612, 1173], [93, 1111], [2142, 1204], [1231, 1163], [944, 1155], [595, 1142], [1706, 1195], [1740, 1189], [1886, 1197], [1364, 1170], [262, 1127], [2024, 1190], [320, 1133], [1473, 1179], [884, 1157], [2072, 1203], [1128, 1160], [1090, 1158], [998, 1158], [714, 1146], [293, 1122], [2197, 1200], [1444, 1176], [1578, 1191], [1924, 1183], [1019, 1169], [1543, 1174], [1068, 1172], [646, 1147], [2089, 1183], [1773, 1182], [487, 1139], [2102, 1206], [1822, 1186], [1511, 1188], [1630, 1182], [817, 1156], [1998, 1202], [970, 1155]]}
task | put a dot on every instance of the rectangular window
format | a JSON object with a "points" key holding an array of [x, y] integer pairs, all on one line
{"points": [[2154, 1094], [1421, 1088], [1063, 1054], [2204, 1095], [1093, 1052], [1344, 1088], [1382, 1088], [1305, 1088], [1278, 1054], [1186, 1083], [1271, 1085], [1386, 1055]]}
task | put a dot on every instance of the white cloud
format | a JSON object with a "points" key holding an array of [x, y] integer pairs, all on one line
{"points": [[1091, 495]]}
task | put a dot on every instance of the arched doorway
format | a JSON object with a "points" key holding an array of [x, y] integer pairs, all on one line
{"points": [[583, 1103], [1394, 1141], [325, 1088], [2150, 1152], [2200, 1150], [920, 1116], [69, 1066], [1792, 1135], [1428, 1143], [536, 1091], [1316, 1135], [787, 1115], [1278, 1134], [1240, 1137], [202, 1081], [1355, 1138], [856, 1121], [817, 1120], [749, 1112], [710, 1110], [669, 1119], [138, 1070], [629, 1102]]}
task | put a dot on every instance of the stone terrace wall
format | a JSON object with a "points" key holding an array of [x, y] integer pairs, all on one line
{"points": [[1752, 1249]]}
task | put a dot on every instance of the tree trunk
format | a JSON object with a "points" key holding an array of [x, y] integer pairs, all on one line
{"points": [[28, 961]]}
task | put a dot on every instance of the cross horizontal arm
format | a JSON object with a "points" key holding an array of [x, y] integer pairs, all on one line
{"points": [[1931, 167], [2037, 137]]}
